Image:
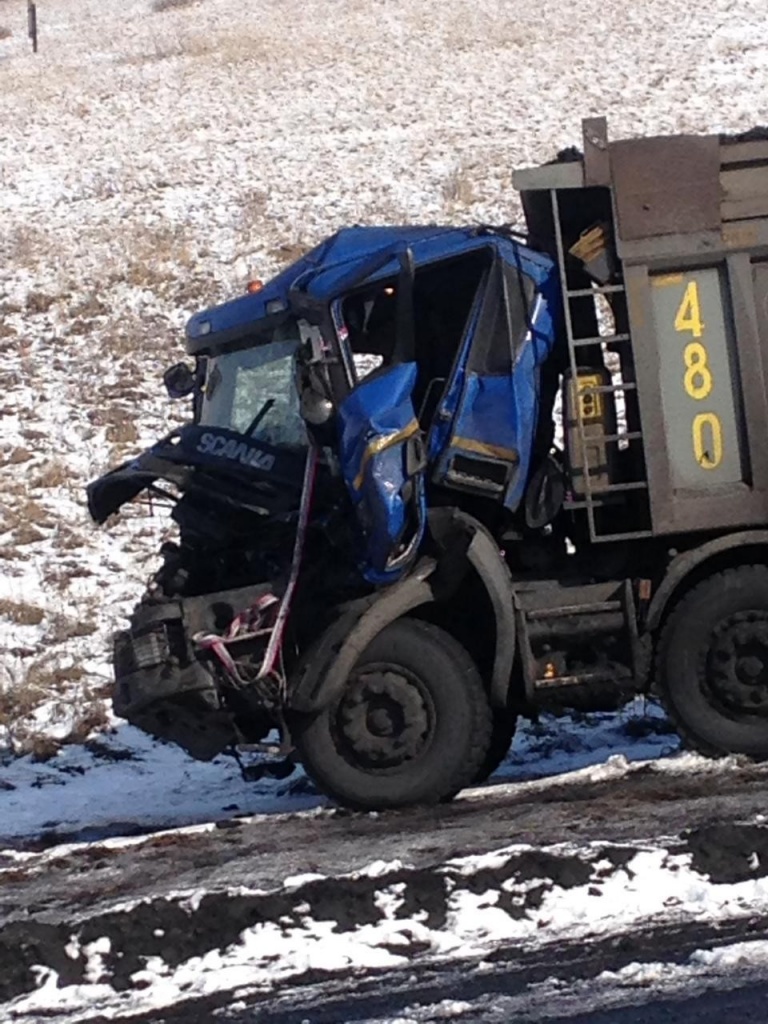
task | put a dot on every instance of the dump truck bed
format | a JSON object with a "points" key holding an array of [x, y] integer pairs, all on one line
{"points": [[686, 222]]}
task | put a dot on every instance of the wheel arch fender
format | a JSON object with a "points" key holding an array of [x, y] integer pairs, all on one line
{"points": [[328, 663], [488, 564], [690, 563], [466, 545]]}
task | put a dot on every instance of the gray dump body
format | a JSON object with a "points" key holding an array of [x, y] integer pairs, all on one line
{"points": [[686, 220]]}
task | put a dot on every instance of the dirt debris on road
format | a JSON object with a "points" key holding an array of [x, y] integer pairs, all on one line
{"points": [[168, 909]]}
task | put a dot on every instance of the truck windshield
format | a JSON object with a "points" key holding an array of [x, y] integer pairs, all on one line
{"points": [[253, 391]]}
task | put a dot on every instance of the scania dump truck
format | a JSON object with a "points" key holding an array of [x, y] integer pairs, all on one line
{"points": [[437, 478]]}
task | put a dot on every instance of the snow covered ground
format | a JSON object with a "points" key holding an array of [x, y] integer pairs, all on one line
{"points": [[387, 918], [123, 782], [150, 163]]}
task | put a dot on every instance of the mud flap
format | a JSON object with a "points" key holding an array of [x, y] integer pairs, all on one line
{"points": [[382, 461]]}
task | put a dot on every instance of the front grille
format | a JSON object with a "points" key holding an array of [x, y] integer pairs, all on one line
{"points": [[147, 649], [151, 648]]}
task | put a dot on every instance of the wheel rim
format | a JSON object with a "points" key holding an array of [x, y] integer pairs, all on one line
{"points": [[737, 676], [385, 718]]}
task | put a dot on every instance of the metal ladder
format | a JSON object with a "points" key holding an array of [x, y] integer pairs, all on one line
{"points": [[592, 500], [546, 615]]}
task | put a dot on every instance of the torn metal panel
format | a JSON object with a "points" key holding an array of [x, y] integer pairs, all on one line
{"points": [[666, 185], [597, 162]]}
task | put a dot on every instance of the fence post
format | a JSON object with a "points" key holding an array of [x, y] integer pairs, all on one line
{"points": [[32, 23]]}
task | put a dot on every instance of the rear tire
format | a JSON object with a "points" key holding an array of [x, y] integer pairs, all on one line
{"points": [[713, 663], [412, 725]]}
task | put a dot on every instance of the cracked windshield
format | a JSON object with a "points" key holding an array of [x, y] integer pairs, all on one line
{"points": [[253, 392]]}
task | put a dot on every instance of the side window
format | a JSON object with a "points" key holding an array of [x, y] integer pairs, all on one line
{"points": [[443, 296], [371, 319], [520, 295], [503, 321]]}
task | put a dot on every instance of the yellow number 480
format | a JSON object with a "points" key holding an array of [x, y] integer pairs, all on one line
{"points": [[688, 316], [708, 440], [698, 376]]}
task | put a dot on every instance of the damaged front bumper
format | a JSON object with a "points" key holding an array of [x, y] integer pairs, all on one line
{"points": [[162, 684]]}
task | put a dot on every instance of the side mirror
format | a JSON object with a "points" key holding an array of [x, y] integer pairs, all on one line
{"points": [[315, 408], [179, 380]]}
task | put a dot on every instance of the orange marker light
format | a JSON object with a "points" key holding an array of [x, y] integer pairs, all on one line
{"points": [[254, 286]]}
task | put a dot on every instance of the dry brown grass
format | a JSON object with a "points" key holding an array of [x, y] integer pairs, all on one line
{"points": [[151, 258], [225, 47], [158, 6], [158, 50], [27, 534], [288, 252], [8, 338], [21, 612], [43, 680], [237, 47], [253, 206], [67, 540], [459, 30], [63, 628], [17, 457], [40, 302], [39, 746], [53, 474], [16, 702], [33, 434], [20, 695], [47, 675], [88, 308], [5, 33], [27, 246], [62, 576], [94, 717], [121, 426], [459, 187], [27, 512]]}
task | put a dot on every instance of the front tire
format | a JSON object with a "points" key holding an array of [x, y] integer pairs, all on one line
{"points": [[713, 663], [412, 725], [502, 734]]}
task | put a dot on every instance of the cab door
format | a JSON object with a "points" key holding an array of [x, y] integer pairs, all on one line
{"points": [[382, 463], [487, 421]]}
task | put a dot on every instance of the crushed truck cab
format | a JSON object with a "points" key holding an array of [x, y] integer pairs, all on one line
{"points": [[429, 343], [436, 478]]}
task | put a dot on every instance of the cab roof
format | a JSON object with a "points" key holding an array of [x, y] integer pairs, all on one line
{"points": [[351, 257]]}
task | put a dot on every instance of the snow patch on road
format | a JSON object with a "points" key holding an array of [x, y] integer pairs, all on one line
{"points": [[386, 916], [613, 992], [125, 782]]}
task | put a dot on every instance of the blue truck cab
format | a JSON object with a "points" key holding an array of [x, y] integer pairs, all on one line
{"points": [[429, 344], [436, 478]]}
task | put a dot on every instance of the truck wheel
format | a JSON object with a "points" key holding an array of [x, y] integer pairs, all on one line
{"points": [[502, 731], [713, 663], [412, 725]]}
